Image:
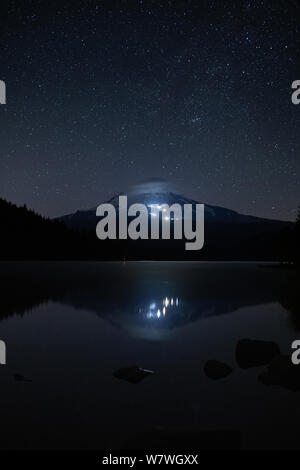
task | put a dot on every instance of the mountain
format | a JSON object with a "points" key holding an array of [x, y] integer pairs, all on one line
{"points": [[86, 220], [229, 235]]}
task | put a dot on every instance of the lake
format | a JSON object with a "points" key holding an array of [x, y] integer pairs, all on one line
{"points": [[68, 327]]}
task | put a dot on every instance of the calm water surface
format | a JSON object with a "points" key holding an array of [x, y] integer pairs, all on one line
{"points": [[69, 326]]}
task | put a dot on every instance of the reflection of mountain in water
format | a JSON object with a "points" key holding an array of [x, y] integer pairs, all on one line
{"points": [[149, 317], [143, 297]]}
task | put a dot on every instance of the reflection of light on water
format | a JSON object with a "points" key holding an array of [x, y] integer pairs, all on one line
{"points": [[160, 309]]}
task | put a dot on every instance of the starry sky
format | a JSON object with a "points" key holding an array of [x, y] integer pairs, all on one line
{"points": [[104, 94]]}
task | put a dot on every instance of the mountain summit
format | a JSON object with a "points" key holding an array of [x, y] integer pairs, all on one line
{"points": [[86, 220]]}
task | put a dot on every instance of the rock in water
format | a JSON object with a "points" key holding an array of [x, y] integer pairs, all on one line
{"points": [[216, 370], [21, 378], [133, 374], [254, 353], [281, 371]]}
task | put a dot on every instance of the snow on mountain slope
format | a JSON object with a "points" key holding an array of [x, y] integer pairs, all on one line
{"points": [[87, 220]]}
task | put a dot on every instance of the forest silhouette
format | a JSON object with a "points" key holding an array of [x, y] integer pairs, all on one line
{"points": [[26, 235]]}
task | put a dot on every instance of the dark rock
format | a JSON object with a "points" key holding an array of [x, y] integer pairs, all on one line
{"points": [[281, 371], [254, 353], [216, 370], [133, 374], [21, 378]]}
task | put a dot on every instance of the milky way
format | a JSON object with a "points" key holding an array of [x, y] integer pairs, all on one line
{"points": [[104, 94]]}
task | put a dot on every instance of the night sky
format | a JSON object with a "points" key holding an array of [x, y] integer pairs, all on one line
{"points": [[104, 94]]}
